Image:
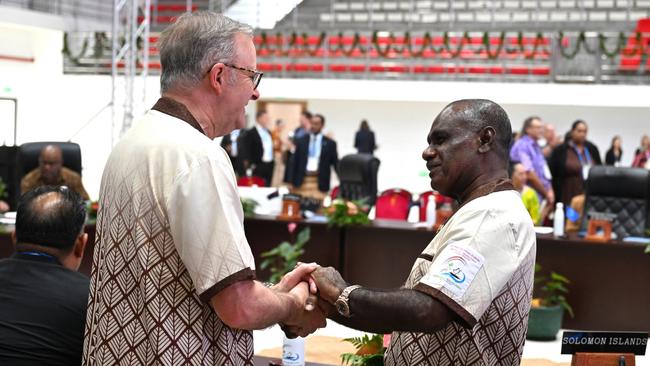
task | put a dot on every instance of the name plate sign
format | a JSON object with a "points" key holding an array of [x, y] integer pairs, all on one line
{"points": [[604, 342]]}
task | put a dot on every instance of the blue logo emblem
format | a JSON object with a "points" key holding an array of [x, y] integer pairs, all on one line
{"points": [[453, 269]]}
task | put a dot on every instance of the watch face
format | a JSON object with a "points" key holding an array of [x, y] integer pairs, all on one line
{"points": [[342, 308]]}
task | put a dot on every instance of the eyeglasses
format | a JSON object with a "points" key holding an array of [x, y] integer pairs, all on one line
{"points": [[255, 75]]}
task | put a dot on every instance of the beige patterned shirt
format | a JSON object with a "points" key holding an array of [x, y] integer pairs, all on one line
{"points": [[481, 266], [169, 237]]}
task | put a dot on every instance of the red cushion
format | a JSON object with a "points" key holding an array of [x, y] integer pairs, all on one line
{"points": [[393, 206], [250, 181]]}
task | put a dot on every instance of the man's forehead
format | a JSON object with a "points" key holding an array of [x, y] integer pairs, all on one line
{"points": [[447, 120]]}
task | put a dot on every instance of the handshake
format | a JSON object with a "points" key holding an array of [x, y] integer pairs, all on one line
{"points": [[314, 290]]}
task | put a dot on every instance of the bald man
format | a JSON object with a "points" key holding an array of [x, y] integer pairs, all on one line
{"points": [[51, 172], [467, 298]]}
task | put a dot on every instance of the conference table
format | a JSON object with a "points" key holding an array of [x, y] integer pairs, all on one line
{"points": [[610, 282]]}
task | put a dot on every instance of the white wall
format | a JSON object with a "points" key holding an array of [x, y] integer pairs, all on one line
{"points": [[401, 129], [53, 106]]}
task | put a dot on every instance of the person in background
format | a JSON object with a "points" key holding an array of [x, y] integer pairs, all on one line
{"points": [[570, 163], [364, 139], [615, 152], [4, 206], [467, 298], [230, 143], [530, 155], [51, 172], [314, 158], [304, 125], [645, 145], [280, 148], [642, 159], [42, 296], [528, 195], [256, 148], [549, 140]]}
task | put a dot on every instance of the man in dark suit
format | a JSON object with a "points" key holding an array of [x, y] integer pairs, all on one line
{"points": [[229, 143], [256, 148], [314, 157]]}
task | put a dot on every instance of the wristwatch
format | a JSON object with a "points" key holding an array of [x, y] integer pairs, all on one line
{"points": [[342, 302]]}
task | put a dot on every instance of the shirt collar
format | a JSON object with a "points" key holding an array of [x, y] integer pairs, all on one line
{"points": [[179, 110], [36, 256]]}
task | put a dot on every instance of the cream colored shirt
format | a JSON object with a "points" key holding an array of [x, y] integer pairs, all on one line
{"points": [[481, 266], [170, 236]]}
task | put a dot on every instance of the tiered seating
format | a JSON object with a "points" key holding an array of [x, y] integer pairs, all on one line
{"points": [[636, 49], [544, 14], [417, 55]]}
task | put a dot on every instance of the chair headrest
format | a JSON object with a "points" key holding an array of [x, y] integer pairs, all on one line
{"points": [[358, 168], [28, 154], [618, 182]]}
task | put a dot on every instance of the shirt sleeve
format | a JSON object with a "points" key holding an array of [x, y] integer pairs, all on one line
{"points": [[206, 223], [523, 156], [476, 260]]}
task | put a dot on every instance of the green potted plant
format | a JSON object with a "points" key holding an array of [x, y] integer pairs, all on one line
{"points": [[3, 189], [347, 212], [370, 351], [548, 305], [248, 205], [283, 258]]}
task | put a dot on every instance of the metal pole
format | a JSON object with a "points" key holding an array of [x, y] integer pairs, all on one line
{"points": [[145, 52], [116, 14]]}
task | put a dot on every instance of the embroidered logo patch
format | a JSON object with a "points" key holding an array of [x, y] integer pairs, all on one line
{"points": [[454, 269]]}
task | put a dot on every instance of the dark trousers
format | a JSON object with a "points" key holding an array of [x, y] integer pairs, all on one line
{"points": [[264, 171]]}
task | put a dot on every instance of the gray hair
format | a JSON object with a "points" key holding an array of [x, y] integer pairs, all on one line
{"points": [[196, 41]]}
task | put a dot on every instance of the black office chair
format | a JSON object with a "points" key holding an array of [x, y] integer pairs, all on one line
{"points": [[28, 153], [624, 192], [358, 177]]}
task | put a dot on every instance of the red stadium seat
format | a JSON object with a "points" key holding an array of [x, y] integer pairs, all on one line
{"points": [[632, 53], [393, 204], [269, 67], [250, 181]]}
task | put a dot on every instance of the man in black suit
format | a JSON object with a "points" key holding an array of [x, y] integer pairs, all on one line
{"points": [[256, 148], [229, 143], [314, 157]]}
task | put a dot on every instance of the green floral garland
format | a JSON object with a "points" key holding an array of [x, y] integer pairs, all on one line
{"points": [[300, 43], [66, 49]]}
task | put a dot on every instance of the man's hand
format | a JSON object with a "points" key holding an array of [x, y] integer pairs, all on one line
{"points": [[300, 273], [550, 197], [306, 317], [329, 282]]}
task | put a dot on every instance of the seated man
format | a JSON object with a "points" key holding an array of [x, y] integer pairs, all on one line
{"points": [[467, 298], [528, 195], [44, 298], [51, 172]]}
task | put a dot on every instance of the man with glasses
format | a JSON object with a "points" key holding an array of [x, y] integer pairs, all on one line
{"points": [[173, 278]]}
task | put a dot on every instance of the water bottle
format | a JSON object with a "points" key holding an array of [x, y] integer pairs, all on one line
{"points": [[293, 352], [558, 220], [431, 210]]}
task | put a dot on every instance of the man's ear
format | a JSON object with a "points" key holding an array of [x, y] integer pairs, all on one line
{"points": [[486, 139], [80, 245], [217, 77]]}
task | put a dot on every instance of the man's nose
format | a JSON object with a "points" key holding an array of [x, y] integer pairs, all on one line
{"points": [[428, 153], [256, 94]]}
